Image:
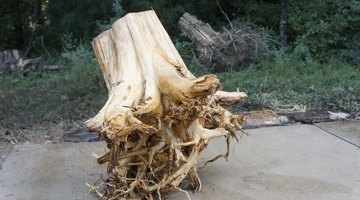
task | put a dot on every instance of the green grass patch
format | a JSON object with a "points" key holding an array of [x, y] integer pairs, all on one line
{"points": [[75, 92], [288, 81]]}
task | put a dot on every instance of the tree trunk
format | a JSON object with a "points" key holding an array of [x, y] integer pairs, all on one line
{"points": [[159, 117], [38, 17], [8, 60], [197, 31], [283, 19]]}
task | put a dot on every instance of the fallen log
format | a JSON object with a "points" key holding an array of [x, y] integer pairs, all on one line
{"points": [[8, 60], [159, 117], [229, 49], [15, 61], [197, 31]]}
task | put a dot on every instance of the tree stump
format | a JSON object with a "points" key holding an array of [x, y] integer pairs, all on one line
{"points": [[159, 117]]}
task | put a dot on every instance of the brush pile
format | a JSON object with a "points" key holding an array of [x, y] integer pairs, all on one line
{"points": [[159, 117], [232, 48]]}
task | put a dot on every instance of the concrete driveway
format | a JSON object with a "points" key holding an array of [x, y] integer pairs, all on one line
{"points": [[285, 162]]}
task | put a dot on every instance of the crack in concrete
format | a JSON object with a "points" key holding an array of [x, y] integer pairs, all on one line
{"points": [[333, 134]]}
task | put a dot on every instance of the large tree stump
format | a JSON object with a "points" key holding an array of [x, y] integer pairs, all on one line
{"points": [[159, 117]]}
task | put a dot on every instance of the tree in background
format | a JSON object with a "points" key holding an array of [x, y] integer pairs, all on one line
{"points": [[264, 12], [76, 17], [327, 27], [32, 25], [15, 23], [37, 25], [283, 23], [170, 11]]}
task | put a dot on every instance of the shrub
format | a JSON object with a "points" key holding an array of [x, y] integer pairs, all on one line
{"points": [[327, 27]]}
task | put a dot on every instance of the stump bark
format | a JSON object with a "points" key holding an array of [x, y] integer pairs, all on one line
{"points": [[159, 117]]}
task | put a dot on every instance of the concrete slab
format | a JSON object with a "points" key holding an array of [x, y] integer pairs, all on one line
{"points": [[347, 130], [291, 162], [50, 171], [294, 162]]}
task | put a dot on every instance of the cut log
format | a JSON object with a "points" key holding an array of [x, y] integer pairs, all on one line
{"points": [[14, 60], [10, 56], [197, 31], [159, 117], [228, 49], [8, 60]]}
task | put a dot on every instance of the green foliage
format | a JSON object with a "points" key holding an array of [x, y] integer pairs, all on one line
{"points": [[119, 12], [84, 76], [33, 25], [187, 50], [77, 17], [169, 12], [289, 79], [327, 27], [38, 25], [15, 23], [265, 13]]}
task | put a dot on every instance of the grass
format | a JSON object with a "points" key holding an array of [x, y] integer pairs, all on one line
{"points": [[284, 83], [76, 92], [39, 102], [294, 80]]}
